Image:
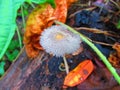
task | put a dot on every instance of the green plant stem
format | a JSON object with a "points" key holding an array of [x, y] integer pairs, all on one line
{"points": [[21, 51], [66, 65], [33, 6], [23, 17], [98, 52], [19, 38]]}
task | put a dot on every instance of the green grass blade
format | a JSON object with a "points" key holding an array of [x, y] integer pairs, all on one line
{"points": [[98, 52]]}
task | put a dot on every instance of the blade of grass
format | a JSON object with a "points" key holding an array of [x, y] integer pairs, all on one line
{"points": [[19, 38], [23, 17], [33, 6], [98, 52]]}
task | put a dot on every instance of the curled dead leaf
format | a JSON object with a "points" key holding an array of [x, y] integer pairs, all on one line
{"points": [[79, 74], [116, 46], [114, 57], [36, 22], [42, 17], [69, 2]]}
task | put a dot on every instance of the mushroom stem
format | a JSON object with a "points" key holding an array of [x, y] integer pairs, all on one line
{"points": [[66, 65]]}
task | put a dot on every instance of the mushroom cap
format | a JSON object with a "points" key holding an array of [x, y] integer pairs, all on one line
{"points": [[57, 40]]}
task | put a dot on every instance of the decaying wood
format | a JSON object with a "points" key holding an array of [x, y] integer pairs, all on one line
{"points": [[26, 74], [16, 76]]}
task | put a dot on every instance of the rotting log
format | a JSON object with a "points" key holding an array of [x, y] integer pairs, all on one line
{"points": [[20, 70], [27, 74]]}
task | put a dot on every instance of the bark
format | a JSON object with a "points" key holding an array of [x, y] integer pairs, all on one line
{"points": [[20, 71], [33, 74]]}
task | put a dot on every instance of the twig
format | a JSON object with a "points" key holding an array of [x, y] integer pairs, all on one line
{"points": [[97, 31], [81, 5], [102, 43], [115, 4], [90, 8]]}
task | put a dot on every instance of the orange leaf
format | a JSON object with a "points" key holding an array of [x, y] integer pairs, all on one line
{"points": [[114, 57], [69, 2], [36, 22], [41, 18], [79, 74]]}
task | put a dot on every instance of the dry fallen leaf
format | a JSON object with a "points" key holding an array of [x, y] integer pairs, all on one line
{"points": [[78, 74], [114, 58], [69, 2], [42, 17]]}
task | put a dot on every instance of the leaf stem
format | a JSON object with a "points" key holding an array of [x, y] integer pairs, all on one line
{"points": [[33, 6], [19, 37], [23, 18], [98, 52]]}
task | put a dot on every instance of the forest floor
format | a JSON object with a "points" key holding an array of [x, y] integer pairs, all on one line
{"points": [[98, 21]]}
